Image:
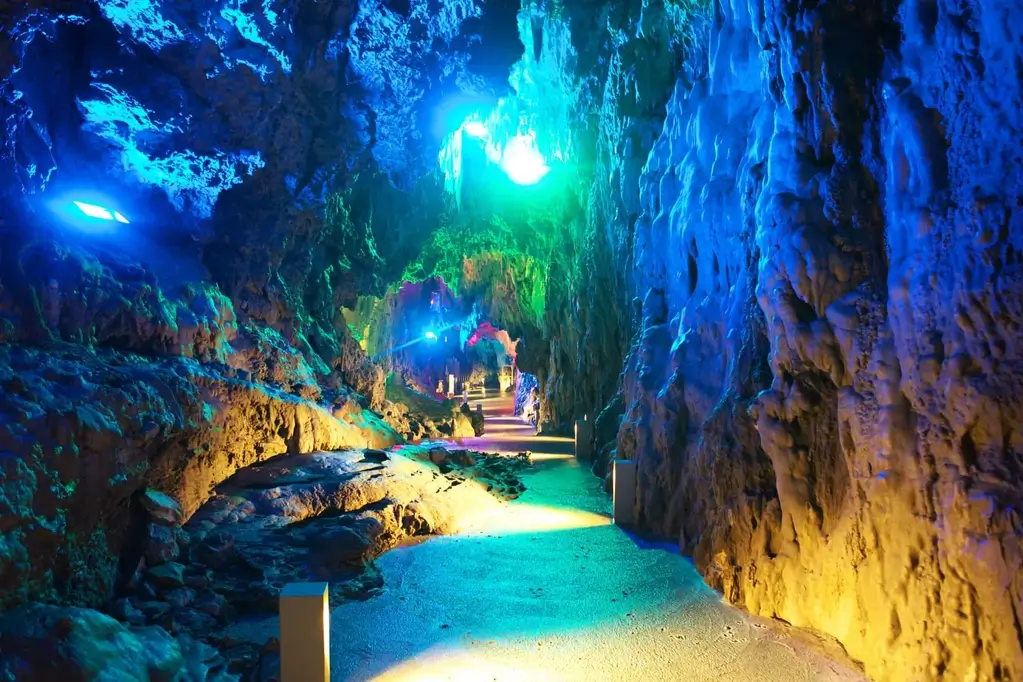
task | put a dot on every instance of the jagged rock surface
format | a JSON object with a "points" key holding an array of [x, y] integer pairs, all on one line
{"points": [[322, 516], [803, 218], [258, 151], [84, 432], [824, 394], [41, 642]]}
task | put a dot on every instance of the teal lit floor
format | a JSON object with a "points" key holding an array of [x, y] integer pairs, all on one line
{"points": [[546, 589]]}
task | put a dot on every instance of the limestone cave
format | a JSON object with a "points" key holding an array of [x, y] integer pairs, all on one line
{"points": [[525, 341]]}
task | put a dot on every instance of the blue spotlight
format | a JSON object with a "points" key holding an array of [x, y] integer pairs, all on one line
{"points": [[431, 335], [94, 211]]}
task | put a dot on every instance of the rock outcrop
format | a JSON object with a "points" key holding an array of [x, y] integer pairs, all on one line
{"points": [[84, 432], [321, 516], [248, 153]]}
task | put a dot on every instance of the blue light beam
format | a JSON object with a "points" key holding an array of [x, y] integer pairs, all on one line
{"points": [[94, 211]]}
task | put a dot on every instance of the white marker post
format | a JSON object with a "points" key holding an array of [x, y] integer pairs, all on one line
{"points": [[305, 633], [623, 488]]}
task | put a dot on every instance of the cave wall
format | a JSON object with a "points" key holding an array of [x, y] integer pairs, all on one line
{"points": [[598, 79], [276, 160], [824, 392]]}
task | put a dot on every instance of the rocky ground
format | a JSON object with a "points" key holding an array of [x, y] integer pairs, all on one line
{"points": [[418, 416], [323, 516]]}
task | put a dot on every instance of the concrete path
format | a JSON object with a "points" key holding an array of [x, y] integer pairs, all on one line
{"points": [[546, 589]]}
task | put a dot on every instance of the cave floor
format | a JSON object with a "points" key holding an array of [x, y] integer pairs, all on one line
{"points": [[545, 588]]}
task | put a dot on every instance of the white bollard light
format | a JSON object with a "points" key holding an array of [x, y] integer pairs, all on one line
{"points": [[305, 633], [624, 491]]}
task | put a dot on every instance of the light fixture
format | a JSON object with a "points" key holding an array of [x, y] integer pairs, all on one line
{"points": [[475, 128], [94, 211], [522, 162], [431, 335]]}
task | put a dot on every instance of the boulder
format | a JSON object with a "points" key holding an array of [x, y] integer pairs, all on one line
{"points": [[43, 643], [168, 576], [161, 508], [161, 545]]}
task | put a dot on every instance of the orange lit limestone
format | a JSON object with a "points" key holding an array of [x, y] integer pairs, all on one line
{"points": [[305, 633]]}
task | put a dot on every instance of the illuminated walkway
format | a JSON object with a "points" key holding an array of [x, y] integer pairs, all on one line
{"points": [[547, 590]]}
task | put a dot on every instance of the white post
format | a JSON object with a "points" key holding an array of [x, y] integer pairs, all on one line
{"points": [[583, 439], [624, 491], [305, 633], [451, 384]]}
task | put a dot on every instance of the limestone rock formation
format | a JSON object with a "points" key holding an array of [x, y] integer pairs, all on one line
{"points": [[87, 432], [779, 264], [201, 331], [823, 395], [323, 516]]}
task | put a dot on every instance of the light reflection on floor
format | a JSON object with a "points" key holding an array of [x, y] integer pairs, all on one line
{"points": [[547, 590], [456, 666], [535, 518]]}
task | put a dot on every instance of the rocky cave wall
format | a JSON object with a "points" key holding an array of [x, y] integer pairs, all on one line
{"points": [[264, 154], [824, 394], [795, 225], [598, 79]]}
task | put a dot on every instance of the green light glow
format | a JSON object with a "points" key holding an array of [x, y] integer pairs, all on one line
{"points": [[522, 161], [509, 140]]}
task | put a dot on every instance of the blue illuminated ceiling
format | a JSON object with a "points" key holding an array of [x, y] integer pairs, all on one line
{"points": [[194, 103]]}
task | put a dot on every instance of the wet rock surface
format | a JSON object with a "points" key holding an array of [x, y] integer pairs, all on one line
{"points": [[497, 474]]}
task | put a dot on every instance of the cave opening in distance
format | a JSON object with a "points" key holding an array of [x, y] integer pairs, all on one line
{"points": [[380, 296]]}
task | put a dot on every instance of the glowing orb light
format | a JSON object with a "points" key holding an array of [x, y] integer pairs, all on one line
{"points": [[431, 335], [94, 211], [522, 162], [476, 129]]}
